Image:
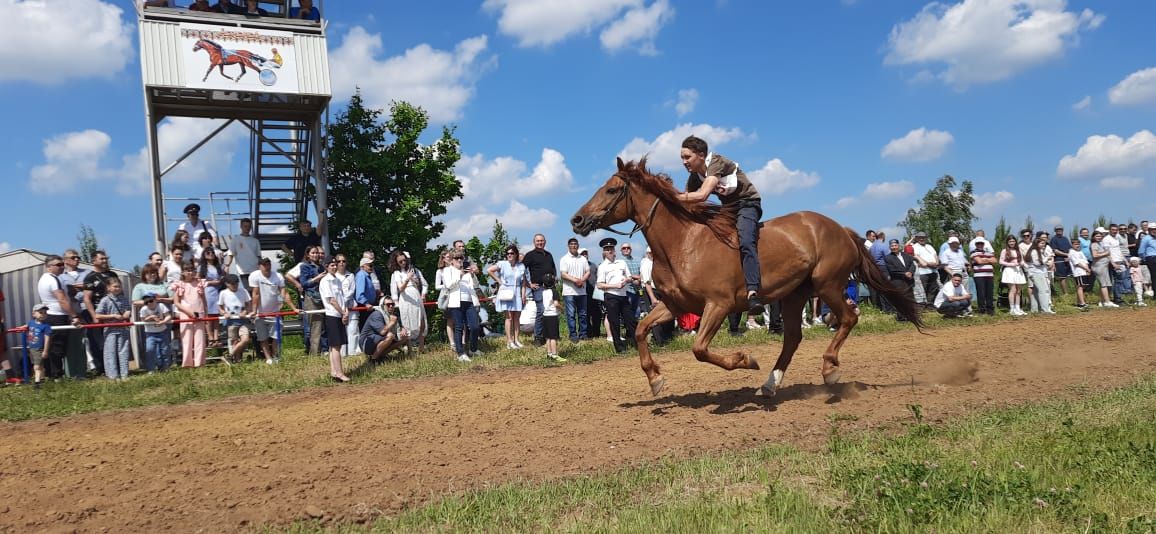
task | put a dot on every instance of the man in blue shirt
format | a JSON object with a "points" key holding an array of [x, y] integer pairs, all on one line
{"points": [[1060, 246], [364, 293], [1147, 252], [305, 12], [879, 251]]}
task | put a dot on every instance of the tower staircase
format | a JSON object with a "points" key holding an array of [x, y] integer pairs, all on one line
{"points": [[280, 158]]}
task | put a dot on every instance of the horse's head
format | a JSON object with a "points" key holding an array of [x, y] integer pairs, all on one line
{"points": [[610, 205], [199, 45]]}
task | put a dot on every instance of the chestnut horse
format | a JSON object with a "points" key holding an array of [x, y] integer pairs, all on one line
{"points": [[697, 268], [220, 56]]}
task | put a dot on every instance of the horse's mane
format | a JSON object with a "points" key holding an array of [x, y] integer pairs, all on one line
{"points": [[720, 219]]}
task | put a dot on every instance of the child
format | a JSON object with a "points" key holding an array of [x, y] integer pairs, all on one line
{"points": [[550, 318], [234, 305], [157, 336], [189, 299], [1137, 279], [114, 307], [39, 338]]}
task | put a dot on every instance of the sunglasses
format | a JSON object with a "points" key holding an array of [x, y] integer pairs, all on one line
{"points": [[61, 264], [73, 258], [341, 261]]}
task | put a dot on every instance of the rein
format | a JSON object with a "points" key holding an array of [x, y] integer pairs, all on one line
{"points": [[637, 225]]}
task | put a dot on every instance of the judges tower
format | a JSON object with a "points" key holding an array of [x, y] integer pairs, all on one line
{"points": [[268, 73]]}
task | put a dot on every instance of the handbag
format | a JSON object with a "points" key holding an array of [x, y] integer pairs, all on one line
{"points": [[506, 293], [443, 299]]}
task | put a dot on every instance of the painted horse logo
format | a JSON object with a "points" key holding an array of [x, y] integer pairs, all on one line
{"points": [[220, 56]]}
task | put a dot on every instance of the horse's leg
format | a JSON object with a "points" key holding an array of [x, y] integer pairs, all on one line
{"points": [[659, 314], [222, 68], [208, 72], [239, 76], [832, 292], [792, 313], [712, 318]]}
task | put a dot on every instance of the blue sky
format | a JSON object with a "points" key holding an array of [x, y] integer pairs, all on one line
{"points": [[850, 108]]}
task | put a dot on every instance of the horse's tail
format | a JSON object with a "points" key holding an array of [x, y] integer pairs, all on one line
{"points": [[869, 273]]}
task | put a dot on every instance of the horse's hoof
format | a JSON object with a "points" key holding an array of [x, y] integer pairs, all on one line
{"points": [[773, 382], [752, 363], [832, 377], [765, 391], [657, 385]]}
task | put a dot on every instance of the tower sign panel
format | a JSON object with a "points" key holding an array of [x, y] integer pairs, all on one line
{"points": [[239, 59]]}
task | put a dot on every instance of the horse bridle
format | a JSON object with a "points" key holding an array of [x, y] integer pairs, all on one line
{"points": [[621, 195]]}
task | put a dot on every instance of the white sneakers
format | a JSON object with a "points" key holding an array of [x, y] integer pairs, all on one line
{"points": [[476, 353], [463, 357], [513, 345]]}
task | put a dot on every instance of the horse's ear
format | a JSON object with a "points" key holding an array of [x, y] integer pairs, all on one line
{"points": [[621, 164]]}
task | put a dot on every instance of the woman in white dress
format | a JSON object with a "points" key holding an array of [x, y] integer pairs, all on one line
{"points": [[511, 274], [209, 264], [408, 288], [1013, 273], [1038, 265]]}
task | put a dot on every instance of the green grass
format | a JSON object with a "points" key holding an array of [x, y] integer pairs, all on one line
{"points": [[297, 372], [1083, 465]]}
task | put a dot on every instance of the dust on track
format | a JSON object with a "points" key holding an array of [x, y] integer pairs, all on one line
{"points": [[353, 452]]}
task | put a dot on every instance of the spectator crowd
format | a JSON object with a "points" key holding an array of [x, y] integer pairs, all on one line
{"points": [[203, 298], [304, 10]]}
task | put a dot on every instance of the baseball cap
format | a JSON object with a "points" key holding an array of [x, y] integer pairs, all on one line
{"points": [[953, 239], [920, 234], [265, 261], [583, 251], [38, 307], [1101, 229]]}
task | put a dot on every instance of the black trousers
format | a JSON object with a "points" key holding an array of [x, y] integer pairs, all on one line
{"points": [[594, 315], [775, 324], [617, 311], [930, 283], [984, 286], [54, 363], [734, 322]]}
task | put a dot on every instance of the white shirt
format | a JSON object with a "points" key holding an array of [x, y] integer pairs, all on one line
{"points": [[45, 287], [948, 290], [613, 273], [246, 253], [646, 272], [955, 261], [926, 253], [232, 303], [195, 231], [160, 311], [172, 271], [268, 290], [576, 266], [1115, 251], [549, 307], [1079, 262], [331, 289]]}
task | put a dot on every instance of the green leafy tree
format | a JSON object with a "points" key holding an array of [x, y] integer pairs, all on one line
{"points": [[476, 250], [86, 241], [386, 190], [1029, 225], [495, 249], [943, 208], [1101, 222], [999, 237]]}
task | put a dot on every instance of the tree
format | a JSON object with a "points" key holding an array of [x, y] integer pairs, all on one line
{"points": [[943, 209], [86, 240], [386, 195], [999, 237], [1029, 226], [495, 249], [476, 250]]}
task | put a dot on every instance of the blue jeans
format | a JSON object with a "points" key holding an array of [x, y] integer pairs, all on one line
{"points": [[156, 356], [1122, 285], [466, 328], [632, 302], [575, 311], [748, 227], [537, 296]]}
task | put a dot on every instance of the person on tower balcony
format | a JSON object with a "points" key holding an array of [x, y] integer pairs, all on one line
{"points": [[305, 12]]}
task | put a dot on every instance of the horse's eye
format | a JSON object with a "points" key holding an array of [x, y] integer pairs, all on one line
{"points": [[612, 191]]}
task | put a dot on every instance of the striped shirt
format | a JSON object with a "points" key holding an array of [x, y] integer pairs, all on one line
{"points": [[982, 270]]}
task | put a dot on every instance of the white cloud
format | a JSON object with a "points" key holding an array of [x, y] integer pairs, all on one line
{"points": [[879, 191], [176, 135], [53, 41], [1121, 182], [1054, 220], [1110, 155], [1138, 88], [5, 247], [76, 157], [441, 82], [1083, 104], [920, 144], [638, 28], [775, 178], [663, 150], [489, 181], [542, 23], [989, 204], [517, 216], [69, 159], [687, 100], [983, 41]]}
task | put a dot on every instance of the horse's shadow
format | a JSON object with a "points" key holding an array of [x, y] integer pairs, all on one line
{"points": [[745, 400]]}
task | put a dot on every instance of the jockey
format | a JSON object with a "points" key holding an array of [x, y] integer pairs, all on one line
{"points": [[712, 173]]}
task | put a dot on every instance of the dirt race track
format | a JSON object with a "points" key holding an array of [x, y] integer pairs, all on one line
{"points": [[351, 452]]}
